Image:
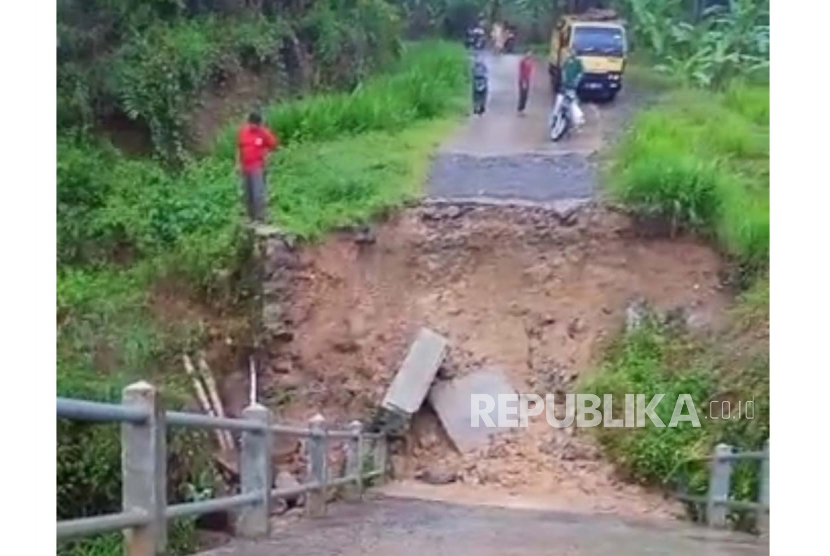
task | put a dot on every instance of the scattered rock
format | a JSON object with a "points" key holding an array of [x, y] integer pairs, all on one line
{"points": [[365, 236], [437, 476], [285, 480], [635, 314], [345, 345], [575, 327], [677, 318]]}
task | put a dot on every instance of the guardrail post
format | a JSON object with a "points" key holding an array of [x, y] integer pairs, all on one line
{"points": [[719, 475], [144, 471], [255, 474], [381, 452], [317, 453], [354, 461], [762, 522]]}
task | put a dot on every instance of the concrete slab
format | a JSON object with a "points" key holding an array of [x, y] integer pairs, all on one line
{"points": [[411, 384], [452, 402]]}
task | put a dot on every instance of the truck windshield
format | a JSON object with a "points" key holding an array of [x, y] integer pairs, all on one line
{"points": [[607, 41]]}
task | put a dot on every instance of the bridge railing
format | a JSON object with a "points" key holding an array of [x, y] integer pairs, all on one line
{"points": [[716, 503], [145, 511]]}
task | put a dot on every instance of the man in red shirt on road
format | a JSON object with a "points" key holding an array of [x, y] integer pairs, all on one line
{"points": [[525, 71], [255, 142]]}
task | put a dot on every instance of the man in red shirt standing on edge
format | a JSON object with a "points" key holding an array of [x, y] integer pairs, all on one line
{"points": [[255, 142], [525, 71]]}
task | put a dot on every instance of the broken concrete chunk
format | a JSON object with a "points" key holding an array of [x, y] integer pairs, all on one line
{"points": [[452, 401], [411, 384]]}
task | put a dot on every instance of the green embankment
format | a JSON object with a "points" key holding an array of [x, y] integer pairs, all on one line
{"points": [[699, 158], [129, 226]]}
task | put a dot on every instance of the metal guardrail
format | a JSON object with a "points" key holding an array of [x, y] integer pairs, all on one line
{"points": [[144, 473], [716, 503]]}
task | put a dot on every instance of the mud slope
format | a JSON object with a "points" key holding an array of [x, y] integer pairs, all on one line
{"points": [[515, 288]]}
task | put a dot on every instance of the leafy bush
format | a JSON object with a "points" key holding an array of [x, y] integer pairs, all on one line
{"points": [[125, 225], [151, 60], [653, 360], [158, 71], [701, 160], [721, 46]]}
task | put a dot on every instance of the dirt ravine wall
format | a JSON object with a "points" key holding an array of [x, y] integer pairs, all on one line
{"points": [[537, 292]]}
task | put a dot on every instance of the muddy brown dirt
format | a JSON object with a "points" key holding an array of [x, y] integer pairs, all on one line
{"points": [[523, 289]]}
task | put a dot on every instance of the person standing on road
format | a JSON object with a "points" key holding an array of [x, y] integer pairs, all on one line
{"points": [[525, 72], [255, 141], [479, 86]]}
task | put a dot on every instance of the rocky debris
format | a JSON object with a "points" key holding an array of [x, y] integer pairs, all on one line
{"points": [[575, 327], [276, 260], [450, 367], [285, 480], [284, 448], [437, 476], [478, 278], [636, 314], [573, 450], [365, 235], [440, 211]]}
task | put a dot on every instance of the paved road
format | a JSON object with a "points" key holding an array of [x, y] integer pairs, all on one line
{"points": [[400, 527], [502, 157]]}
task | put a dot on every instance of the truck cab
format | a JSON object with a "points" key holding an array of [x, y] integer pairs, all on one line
{"points": [[599, 41]]}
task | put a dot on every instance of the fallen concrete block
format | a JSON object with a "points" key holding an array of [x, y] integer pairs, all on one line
{"points": [[452, 402], [411, 384]]}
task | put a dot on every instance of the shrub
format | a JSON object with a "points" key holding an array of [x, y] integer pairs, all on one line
{"points": [[711, 51], [701, 160], [125, 225], [653, 360]]}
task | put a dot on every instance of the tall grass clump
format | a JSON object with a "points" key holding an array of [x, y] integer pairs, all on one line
{"points": [[655, 359], [130, 227], [701, 160], [427, 82]]}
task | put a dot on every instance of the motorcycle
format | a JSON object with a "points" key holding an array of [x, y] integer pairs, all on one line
{"points": [[479, 94], [476, 39], [565, 115]]}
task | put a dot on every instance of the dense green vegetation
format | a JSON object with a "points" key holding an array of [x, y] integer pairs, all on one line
{"points": [[660, 358], [709, 49], [151, 60], [127, 227], [701, 159]]}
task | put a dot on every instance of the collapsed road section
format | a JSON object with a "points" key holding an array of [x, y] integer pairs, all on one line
{"points": [[533, 292]]}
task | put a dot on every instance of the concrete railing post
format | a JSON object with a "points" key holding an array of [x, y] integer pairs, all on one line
{"points": [[144, 471], [763, 492], [354, 461], [255, 474], [381, 454], [317, 453], [719, 478]]}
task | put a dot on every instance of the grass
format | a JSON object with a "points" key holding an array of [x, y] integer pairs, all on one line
{"points": [[328, 184], [654, 359], [701, 160], [127, 226]]}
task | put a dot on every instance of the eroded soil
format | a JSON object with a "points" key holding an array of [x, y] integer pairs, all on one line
{"points": [[532, 292]]}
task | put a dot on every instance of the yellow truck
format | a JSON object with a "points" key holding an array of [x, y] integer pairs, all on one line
{"points": [[598, 39]]}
